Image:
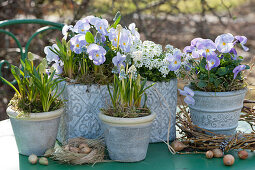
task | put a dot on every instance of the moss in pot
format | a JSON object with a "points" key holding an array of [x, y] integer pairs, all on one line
{"points": [[35, 109], [127, 123]]}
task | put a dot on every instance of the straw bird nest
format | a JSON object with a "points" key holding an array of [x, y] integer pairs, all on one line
{"points": [[79, 151]]}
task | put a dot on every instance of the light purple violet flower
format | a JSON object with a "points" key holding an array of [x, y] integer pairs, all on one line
{"points": [[212, 61], [136, 35], [58, 67], [113, 37], [224, 42], [125, 41], [195, 41], [78, 44], [189, 95], [96, 53], [242, 40], [206, 47], [174, 60], [237, 69], [193, 48], [233, 53], [118, 60], [65, 30], [197, 53], [92, 19], [188, 49], [50, 55], [101, 26], [82, 26]]}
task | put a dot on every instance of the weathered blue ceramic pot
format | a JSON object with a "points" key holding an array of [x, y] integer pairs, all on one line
{"points": [[217, 112], [127, 139], [35, 133]]}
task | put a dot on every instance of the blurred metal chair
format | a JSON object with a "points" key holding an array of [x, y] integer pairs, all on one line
{"points": [[48, 25]]}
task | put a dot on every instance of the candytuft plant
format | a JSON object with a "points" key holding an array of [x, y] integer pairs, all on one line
{"points": [[154, 63]]}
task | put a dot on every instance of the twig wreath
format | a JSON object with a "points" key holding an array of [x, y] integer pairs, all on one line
{"points": [[197, 139]]}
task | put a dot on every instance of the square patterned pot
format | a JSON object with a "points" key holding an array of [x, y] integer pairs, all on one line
{"points": [[162, 100], [83, 104], [85, 101]]}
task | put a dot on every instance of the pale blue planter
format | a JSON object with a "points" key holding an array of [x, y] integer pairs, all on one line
{"points": [[127, 139], [37, 132], [217, 112], [162, 101], [82, 106]]}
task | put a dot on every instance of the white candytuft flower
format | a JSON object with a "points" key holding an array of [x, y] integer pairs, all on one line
{"points": [[152, 56]]}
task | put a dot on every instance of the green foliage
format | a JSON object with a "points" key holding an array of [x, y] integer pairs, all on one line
{"points": [[155, 75], [36, 87], [89, 37], [81, 68], [116, 20], [218, 79], [127, 91], [67, 56]]}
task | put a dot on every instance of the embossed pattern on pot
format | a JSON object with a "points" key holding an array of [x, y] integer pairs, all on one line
{"points": [[217, 111], [162, 97], [82, 108]]}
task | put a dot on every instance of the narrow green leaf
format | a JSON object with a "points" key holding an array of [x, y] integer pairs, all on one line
{"points": [[116, 20], [7, 82]]}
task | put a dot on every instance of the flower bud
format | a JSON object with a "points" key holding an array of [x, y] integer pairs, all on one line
{"points": [[30, 56]]}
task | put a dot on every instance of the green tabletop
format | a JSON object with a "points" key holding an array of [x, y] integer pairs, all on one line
{"points": [[158, 158]]}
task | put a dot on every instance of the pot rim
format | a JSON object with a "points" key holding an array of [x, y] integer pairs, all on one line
{"points": [[126, 121], [173, 79], [36, 116], [67, 83], [220, 94]]}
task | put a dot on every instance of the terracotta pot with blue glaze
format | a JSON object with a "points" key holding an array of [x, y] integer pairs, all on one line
{"points": [[217, 112]]}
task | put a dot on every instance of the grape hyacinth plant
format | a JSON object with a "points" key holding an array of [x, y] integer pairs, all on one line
{"points": [[214, 66], [91, 48], [37, 87], [126, 94]]}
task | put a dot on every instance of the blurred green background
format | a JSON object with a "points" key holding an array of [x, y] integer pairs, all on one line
{"points": [[174, 22]]}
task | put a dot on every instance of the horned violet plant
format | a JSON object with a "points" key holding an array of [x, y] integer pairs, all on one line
{"points": [[213, 66], [37, 87], [87, 50]]}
